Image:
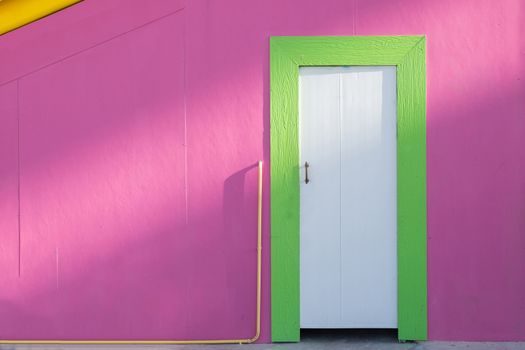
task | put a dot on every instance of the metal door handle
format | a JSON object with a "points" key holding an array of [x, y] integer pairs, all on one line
{"points": [[306, 166]]}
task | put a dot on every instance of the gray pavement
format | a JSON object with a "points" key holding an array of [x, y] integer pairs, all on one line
{"points": [[310, 340]]}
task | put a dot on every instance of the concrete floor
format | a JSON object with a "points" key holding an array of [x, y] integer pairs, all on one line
{"points": [[310, 340]]}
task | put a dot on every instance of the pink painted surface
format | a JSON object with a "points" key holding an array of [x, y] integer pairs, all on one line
{"points": [[140, 126], [9, 245]]}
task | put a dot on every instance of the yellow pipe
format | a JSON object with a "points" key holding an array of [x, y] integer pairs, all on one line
{"points": [[170, 342], [17, 13]]}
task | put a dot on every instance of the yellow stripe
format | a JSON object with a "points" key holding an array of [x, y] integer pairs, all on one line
{"points": [[17, 13]]}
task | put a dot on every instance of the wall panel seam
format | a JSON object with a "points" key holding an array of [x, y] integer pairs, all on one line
{"points": [[18, 176], [47, 65]]}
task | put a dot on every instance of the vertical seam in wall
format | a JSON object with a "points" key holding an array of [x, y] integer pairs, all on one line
{"points": [[355, 16], [18, 176], [340, 195], [56, 266], [185, 123], [185, 102]]}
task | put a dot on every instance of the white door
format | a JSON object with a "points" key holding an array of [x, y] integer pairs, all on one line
{"points": [[348, 207]]}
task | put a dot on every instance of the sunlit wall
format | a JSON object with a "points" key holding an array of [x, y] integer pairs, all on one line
{"points": [[129, 136]]}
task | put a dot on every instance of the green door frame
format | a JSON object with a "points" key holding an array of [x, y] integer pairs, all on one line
{"points": [[407, 53]]}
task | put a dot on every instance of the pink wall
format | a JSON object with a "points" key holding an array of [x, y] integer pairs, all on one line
{"points": [[107, 249]]}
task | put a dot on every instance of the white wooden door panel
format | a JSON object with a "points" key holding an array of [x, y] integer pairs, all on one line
{"points": [[368, 197], [348, 210], [319, 104]]}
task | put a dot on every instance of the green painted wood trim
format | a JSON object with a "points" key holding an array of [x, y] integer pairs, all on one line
{"points": [[287, 54]]}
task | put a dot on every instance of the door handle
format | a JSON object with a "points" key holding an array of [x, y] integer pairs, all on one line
{"points": [[306, 166]]}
